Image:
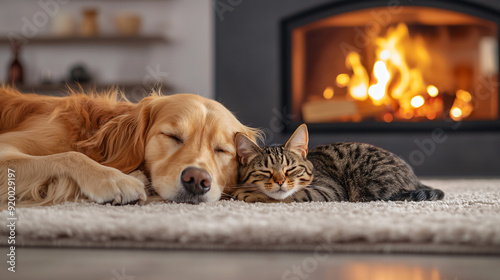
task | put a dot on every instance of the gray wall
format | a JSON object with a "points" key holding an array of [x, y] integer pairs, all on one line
{"points": [[248, 83], [185, 62]]}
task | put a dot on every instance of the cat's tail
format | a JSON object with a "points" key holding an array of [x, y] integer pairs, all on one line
{"points": [[422, 193]]}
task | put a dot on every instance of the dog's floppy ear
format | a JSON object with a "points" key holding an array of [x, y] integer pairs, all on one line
{"points": [[245, 148], [120, 143]]}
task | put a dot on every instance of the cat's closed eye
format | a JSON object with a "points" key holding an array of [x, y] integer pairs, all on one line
{"points": [[295, 171], [261, 175]]}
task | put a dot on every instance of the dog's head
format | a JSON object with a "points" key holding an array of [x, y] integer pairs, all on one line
{"points": [[190, 152], [184, 142]]}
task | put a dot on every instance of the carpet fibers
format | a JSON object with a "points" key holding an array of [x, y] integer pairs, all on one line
{"points": [[466, 221]]}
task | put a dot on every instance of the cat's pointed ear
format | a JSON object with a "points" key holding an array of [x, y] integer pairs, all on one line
{"points": [[245, 148], [299, 140]]}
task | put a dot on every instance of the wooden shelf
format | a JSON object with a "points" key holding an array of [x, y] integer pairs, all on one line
{"points": [[105, 39], [133, 91]]}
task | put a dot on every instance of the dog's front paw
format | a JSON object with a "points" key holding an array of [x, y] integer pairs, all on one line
{"points": [[115, 187], [139, 175]]}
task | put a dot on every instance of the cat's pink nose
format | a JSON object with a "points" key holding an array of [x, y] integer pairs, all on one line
{"points": [[279, 179]]}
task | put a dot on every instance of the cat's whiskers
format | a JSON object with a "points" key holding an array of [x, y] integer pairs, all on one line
{"points": [[244, 186], [226, 195]]}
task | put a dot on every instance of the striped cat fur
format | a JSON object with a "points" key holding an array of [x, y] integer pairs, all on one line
{"points": [[355, 172]]}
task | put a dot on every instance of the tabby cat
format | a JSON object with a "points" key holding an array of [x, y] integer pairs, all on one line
{"points": [[355, 172]]}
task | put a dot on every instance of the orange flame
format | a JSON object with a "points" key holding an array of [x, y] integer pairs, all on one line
{"points": [[358, 85], [462, 106], [397, 75], [378, 90], [328, 93]]}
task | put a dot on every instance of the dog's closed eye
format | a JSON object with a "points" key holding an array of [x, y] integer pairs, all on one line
{"points": [[223, 149], [176, 138], [220, 150]]}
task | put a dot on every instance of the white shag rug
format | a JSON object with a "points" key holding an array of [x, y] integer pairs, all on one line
{"points": [[466, 221]]}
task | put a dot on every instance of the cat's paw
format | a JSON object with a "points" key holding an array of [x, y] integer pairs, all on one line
{"points": [[255, 197]]}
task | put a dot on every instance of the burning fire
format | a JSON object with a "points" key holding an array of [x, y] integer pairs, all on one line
{"points": [[462, 106], [358, 85], [396, 80], [328, 93]]}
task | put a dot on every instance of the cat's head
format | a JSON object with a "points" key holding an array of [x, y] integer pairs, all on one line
{"points": [[277, 171]]}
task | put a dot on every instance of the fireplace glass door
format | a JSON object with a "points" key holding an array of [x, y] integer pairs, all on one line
{"points": [[407, 64]]}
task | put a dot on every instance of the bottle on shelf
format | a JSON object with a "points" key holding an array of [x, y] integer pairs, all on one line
{"points": [[16, 75], [89, 25]]}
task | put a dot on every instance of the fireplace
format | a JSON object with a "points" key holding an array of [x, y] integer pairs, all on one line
{"points": [[255, 78], [372, 66]]}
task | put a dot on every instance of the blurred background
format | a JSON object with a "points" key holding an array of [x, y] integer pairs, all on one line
{"points": [[132, 44]]}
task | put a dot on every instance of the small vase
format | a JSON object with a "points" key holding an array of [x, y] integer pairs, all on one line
{"points": [[16, 75], [89, 23]]}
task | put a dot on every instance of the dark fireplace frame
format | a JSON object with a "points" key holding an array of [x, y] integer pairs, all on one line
{"points": [[327, 10]]}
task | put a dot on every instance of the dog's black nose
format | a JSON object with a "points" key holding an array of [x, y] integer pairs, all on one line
{"points": [[196, 180]]}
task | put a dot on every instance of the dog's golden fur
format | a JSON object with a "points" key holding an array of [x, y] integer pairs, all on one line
{"points": [[96, 146]]}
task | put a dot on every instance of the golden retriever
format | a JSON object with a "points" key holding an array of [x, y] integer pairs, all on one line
{"points": [[92, 147]]}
